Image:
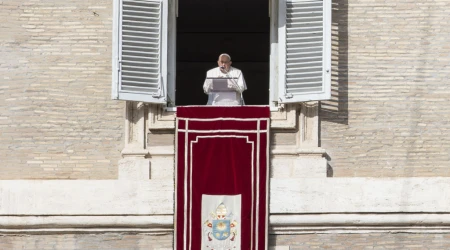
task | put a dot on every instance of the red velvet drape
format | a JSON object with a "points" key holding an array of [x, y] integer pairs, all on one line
{"points": [[222, 151]]}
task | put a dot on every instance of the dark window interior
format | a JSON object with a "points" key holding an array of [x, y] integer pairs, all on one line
{"points": [[207, 28]]}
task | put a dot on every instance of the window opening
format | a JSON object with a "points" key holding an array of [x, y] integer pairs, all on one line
{"points": [[206, 29]]}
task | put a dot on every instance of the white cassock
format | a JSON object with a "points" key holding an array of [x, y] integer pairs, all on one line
{"points": [[225, 98]]}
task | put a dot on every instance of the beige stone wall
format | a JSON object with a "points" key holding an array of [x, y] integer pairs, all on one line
{"points": [[390, 111], [364, 241], [107, 241], [388, 116], [57, 119]]}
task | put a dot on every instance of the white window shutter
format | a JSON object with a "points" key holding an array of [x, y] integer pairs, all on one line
{"points": [[304, 29], [140, 56]]}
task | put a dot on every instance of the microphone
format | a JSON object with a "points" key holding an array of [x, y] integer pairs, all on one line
{"points": [[223, 69]]}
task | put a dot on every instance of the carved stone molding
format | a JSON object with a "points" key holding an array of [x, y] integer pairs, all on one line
{"points": [[360, 223], [135, 130], [296, 151], [308, 125], [284, 118], [297, 206], [279, 224], [160, 118], [300, 120], [148, 224]]}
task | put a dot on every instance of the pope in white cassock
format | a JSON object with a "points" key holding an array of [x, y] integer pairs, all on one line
{"points": [[235, 83]]}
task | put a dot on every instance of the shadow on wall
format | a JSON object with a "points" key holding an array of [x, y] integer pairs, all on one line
{"points": [[336, 109]]}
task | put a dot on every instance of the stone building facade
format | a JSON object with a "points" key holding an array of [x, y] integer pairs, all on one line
{"points": [[367, 169]]}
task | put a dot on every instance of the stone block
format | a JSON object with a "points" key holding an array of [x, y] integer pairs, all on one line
{"points": [[131, 168]]}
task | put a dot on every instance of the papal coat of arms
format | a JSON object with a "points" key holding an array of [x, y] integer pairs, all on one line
{"points": [[221, 229]]}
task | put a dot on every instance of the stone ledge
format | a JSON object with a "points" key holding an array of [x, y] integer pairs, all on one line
{"points": [[276, 150], [86, 197], [361, 219], [160, 224], [360, 223], [161, 119], [296, 151], [287, 196], [359, 195], [279, 224]]}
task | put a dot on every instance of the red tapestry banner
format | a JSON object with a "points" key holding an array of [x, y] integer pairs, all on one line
{"points": [[222, 158]]}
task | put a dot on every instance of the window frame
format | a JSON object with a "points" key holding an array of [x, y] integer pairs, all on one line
{"points": [[285, 95], [159, 96], [168, 61]]}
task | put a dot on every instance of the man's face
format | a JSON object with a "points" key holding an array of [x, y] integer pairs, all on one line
{"points": [[225, 63]]}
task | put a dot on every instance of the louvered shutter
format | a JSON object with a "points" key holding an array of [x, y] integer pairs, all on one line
{"points": [[304, 50], [141, 56]]}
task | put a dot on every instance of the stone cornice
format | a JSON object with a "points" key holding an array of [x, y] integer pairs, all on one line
{"points": [[296, 151], [297, 206], [161, 119], [149, 224], [279, 223]]}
